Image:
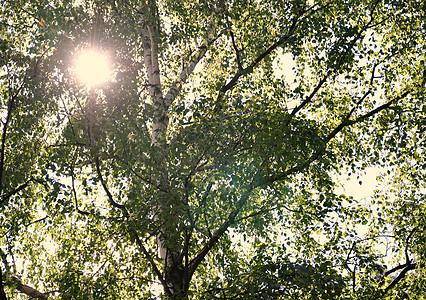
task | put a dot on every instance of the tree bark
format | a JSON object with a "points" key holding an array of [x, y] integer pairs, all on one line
{"points": [[23, 288], [167, 208], [32, 292], [2, 293], [166, 220]]}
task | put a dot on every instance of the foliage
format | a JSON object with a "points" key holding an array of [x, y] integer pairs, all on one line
{"points": [[211, 165]]}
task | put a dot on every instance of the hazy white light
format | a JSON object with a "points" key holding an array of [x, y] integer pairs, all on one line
{"points": [[93, 68]]}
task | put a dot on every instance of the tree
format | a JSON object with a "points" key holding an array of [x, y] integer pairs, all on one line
{"points": [[209, 167]]}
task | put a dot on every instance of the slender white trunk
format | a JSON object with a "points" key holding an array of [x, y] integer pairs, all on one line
{"points": [[160, 123], [166, 207]]}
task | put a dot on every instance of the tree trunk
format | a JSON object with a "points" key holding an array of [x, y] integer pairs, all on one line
{"points": [[168, 209], [166, 214], [2, 293]]}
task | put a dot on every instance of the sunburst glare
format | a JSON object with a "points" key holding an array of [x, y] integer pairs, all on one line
{"points": [[93, 68]]}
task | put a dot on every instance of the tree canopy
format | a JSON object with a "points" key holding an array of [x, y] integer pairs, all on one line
{"points": [[212, 164]]}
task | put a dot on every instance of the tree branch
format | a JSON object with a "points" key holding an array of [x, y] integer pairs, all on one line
{"points": [[74, 192], [228, 86], [21, 187], [237, 51], [14, 191], [185, 73], [10, 107], [408, 266], [281, 41], [339, 62], [187, 70], [148, 256], [230, 220], [405, 269], [346, 122], [379, 109], [311, 95], [15, 281], [105, 187], [23, 288]]}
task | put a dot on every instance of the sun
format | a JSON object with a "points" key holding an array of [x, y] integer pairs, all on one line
{"points": [[92, 68]]}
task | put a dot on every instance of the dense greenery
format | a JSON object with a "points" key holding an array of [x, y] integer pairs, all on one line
{"points": [[212, 165]]}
